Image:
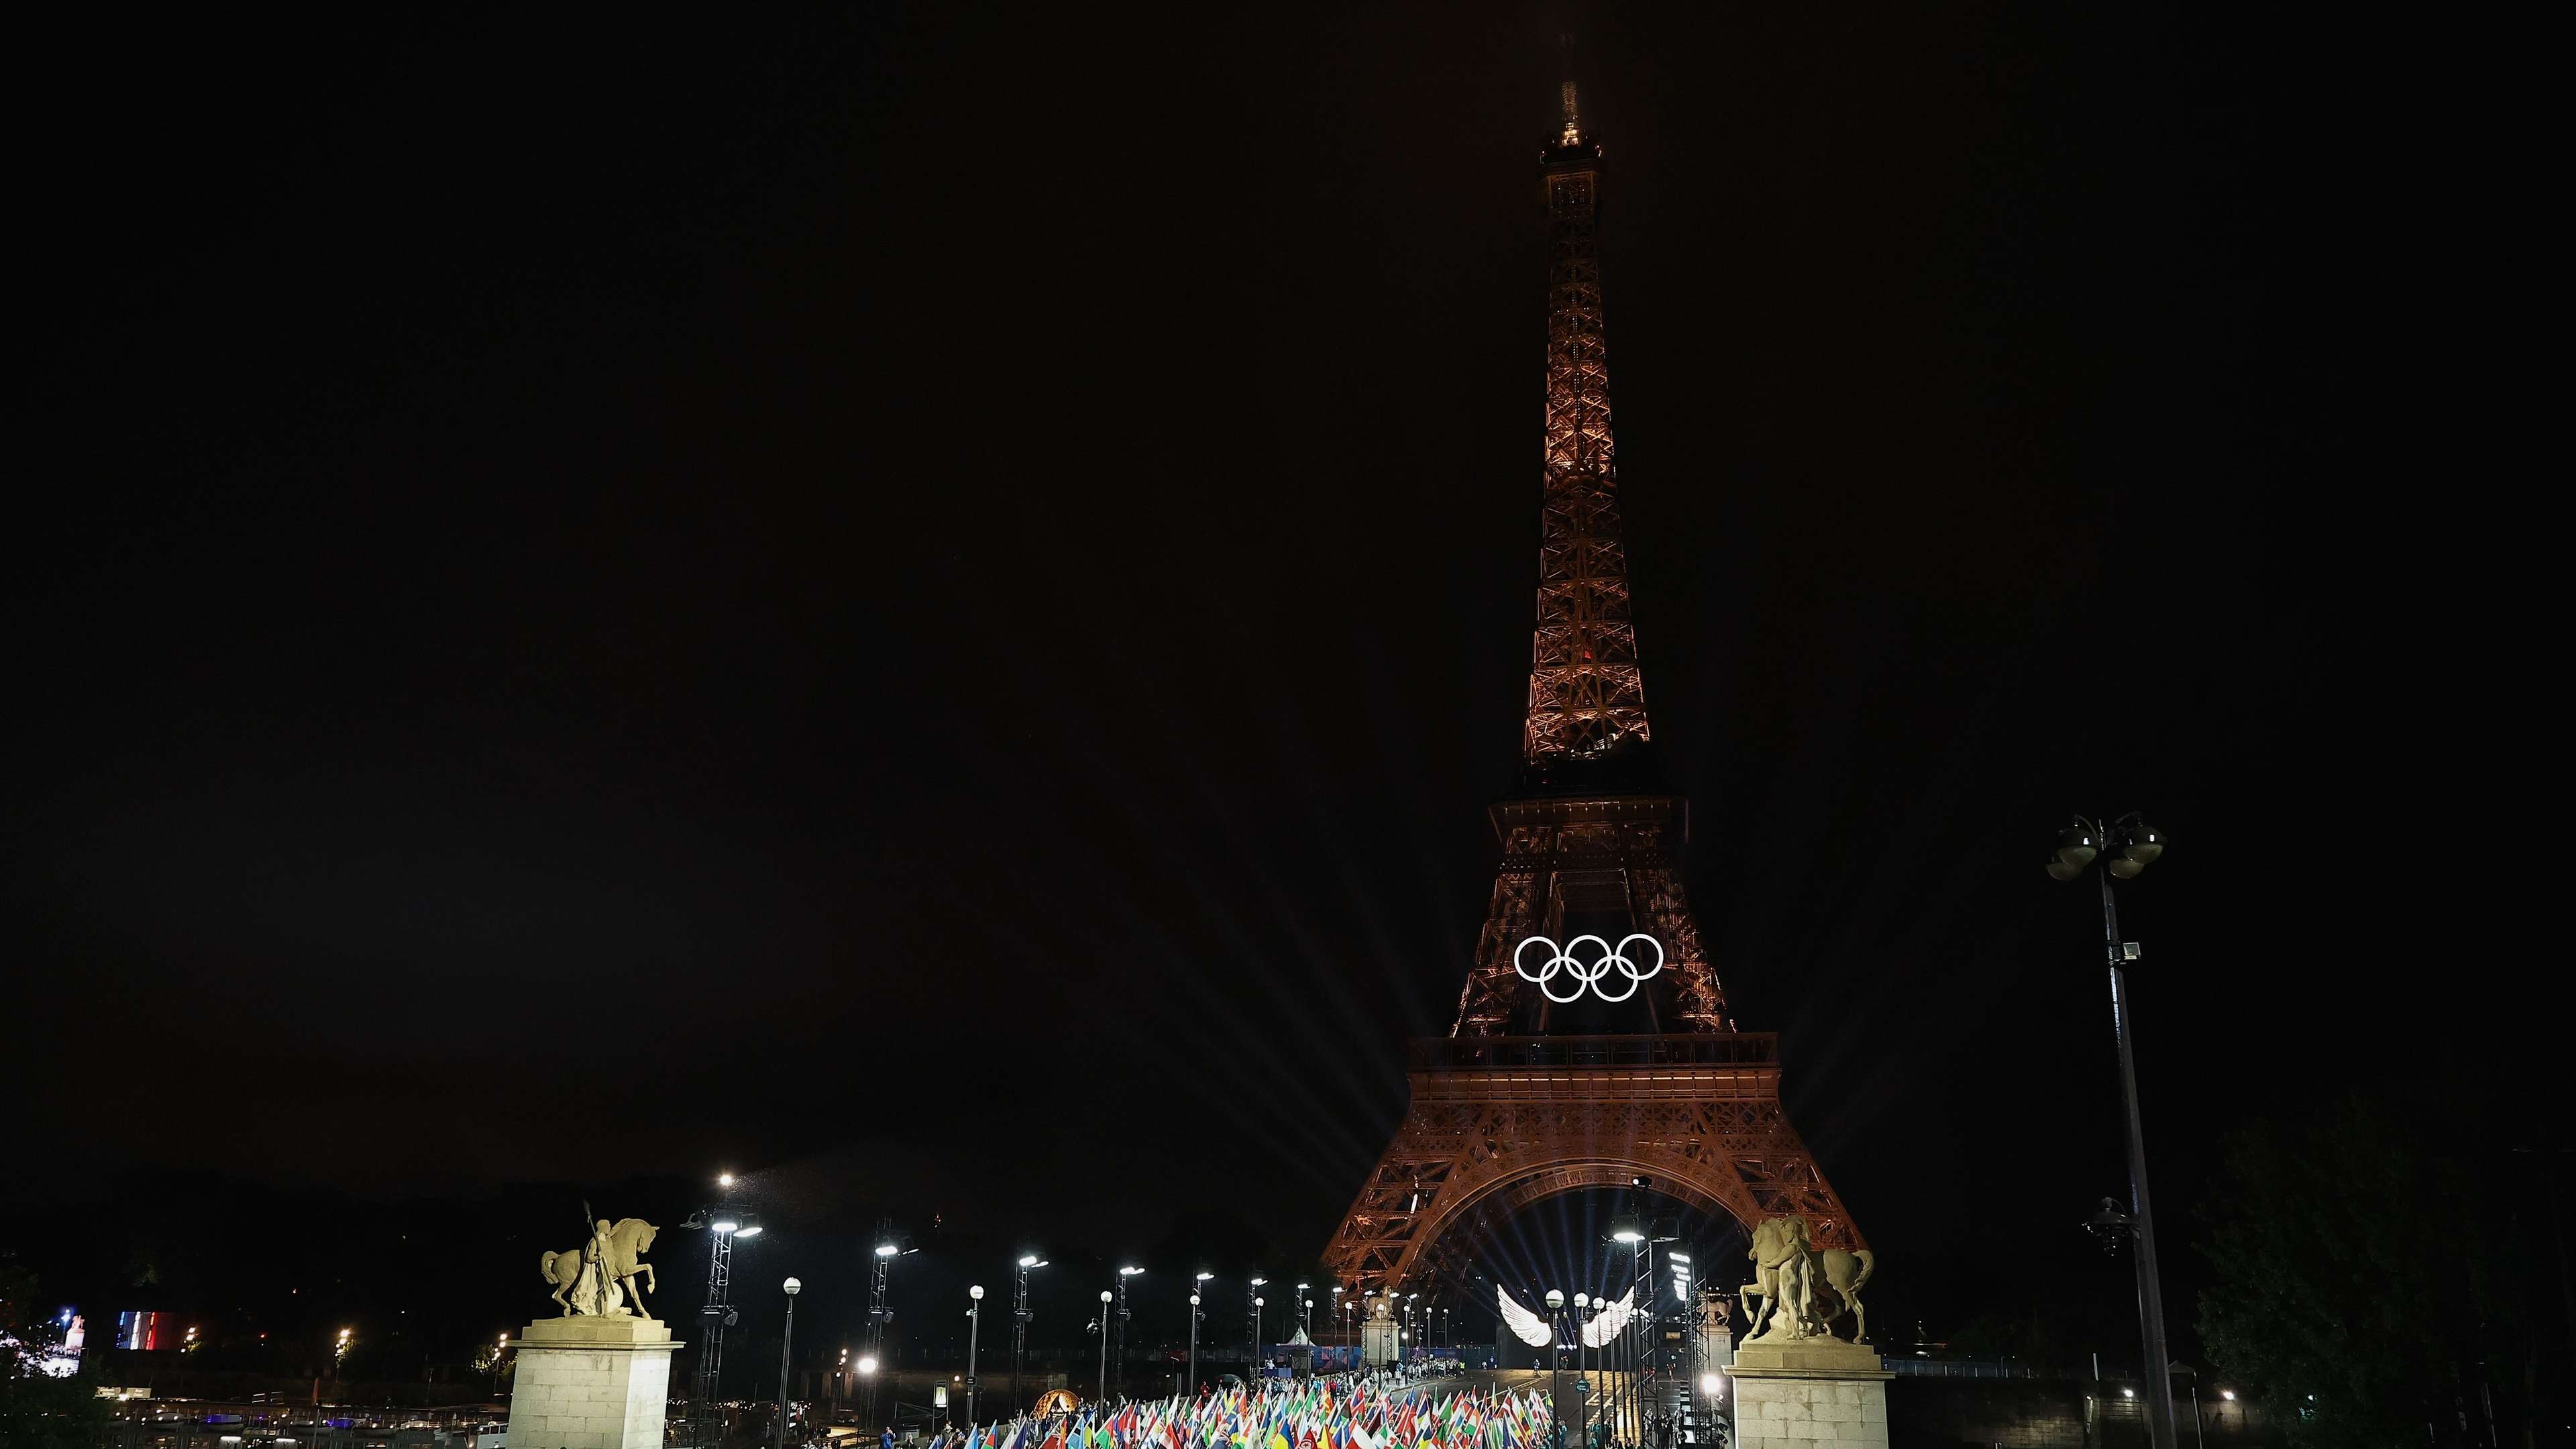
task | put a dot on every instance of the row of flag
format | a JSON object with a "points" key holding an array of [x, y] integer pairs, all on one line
{"points": [[1342, 1412]]}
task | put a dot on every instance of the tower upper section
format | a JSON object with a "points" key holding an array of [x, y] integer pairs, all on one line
{"points": [[1586, 699]]}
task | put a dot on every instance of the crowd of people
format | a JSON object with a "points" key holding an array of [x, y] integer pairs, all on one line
{"points": [[1382, 1408]]}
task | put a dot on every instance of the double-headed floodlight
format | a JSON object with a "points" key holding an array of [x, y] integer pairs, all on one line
{"points": [[1626, 1229], [1129, 1272], [1201, 1277], [1032, 1260], [747, 1226], [2134, 845], [726, 1223], [887, 1250]]}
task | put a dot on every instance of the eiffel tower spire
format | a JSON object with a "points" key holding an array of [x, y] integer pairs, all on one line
{"points": [[1586, 698]]}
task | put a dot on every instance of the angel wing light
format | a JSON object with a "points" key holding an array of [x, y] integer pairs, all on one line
{"points": [[1528, 1327], [1611, 1321]]}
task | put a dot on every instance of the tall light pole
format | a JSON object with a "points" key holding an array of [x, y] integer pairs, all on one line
{"points": [[1196, 1317], [974, 1327], [1124, 1274], [786, 1348], [1105, 1296], [1020, 1324], [1252, 1291], [1556, 1365], [2133, 846], [890, 1246], [1306, 1317], [725, 1228]]}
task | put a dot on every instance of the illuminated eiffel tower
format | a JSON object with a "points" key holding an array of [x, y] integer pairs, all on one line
{"points": [[1550, 1084]]}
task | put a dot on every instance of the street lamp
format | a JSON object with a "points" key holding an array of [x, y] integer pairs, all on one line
{"points": [[1556, 1364], [2133, 845], [1196, 1318], [974, 1327], [1020, 1318], [1252, 1291], [339, 1351], [1105, 1296], [786, 1346], [1124, 1274]]}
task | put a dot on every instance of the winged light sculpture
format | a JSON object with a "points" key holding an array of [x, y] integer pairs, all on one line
{"points": [[1610, 1320], [1528, 1327]]}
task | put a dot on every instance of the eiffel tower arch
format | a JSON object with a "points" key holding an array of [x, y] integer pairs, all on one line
{"points": [[1534, 1094]]}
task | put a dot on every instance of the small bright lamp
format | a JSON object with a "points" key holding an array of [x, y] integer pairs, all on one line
{"points": [[794, 1287], [888, 1250], [725, 1224], [976, 1292], [1032, 1260], [1555, 1299]]}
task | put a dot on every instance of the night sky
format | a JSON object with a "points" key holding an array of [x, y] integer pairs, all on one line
{"points": [[925, 605]]}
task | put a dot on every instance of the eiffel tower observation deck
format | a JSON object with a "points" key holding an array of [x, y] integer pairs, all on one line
{"points": [[1592, 1046]]}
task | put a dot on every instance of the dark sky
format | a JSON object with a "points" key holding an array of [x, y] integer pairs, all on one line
{"points": [[945, 589]]}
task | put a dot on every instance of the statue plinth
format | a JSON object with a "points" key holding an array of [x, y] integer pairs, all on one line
{"points": [[591, 1382], [1791, 1393]]}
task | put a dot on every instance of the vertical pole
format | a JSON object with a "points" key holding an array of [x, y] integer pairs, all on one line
{"points": [[786, 1347], [974, 1327], [2157, 1387], [1019, 1336], [1192, 1387]]}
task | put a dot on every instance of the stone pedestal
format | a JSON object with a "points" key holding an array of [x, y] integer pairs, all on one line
{"points": [[591, 1383], [1812, 1393], [1377, 1342]]}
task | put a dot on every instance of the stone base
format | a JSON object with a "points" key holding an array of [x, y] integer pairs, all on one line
{"points": [[1813, 1393], [591, 1383]]}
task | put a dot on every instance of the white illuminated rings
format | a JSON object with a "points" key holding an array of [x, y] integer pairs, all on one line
{"points": [[1561, 960]]}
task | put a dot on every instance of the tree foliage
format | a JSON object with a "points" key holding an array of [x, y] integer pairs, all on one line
{"points": [[37, 1410], [2357, 1273]]}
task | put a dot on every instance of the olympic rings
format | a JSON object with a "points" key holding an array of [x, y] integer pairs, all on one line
{"points": [[1561, 959]]}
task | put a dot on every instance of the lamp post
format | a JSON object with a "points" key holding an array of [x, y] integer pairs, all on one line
{"points": [[2134, 845], [1195, 1318], [1252, 1306], [974, 1327], [1630, 1230], [1105, 1296], [1020, 1322], [786, 1347], [1556, 1365], [1124, 1274], [1306, 1316]]}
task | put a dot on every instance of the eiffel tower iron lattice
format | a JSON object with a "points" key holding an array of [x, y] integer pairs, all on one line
{"points": [[1529, 1098]]}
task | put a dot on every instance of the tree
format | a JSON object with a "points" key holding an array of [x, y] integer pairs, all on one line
{"points": [[2356, 1259], [37, 1410]]}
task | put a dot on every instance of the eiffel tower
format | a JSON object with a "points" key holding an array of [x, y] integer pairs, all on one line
{"points": [[1539, 1090]]}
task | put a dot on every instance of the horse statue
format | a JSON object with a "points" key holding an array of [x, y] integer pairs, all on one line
{"points": [[593, 1274], [1800, 1290]]}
